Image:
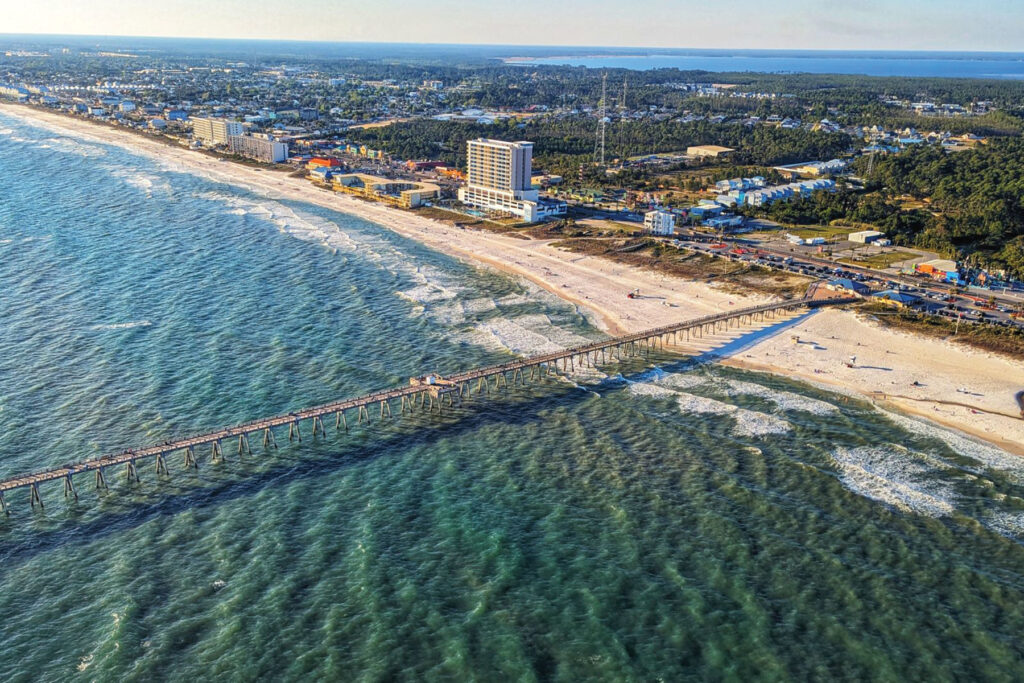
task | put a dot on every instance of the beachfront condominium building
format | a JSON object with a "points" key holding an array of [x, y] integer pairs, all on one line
{"points": [[215, 131], [498, 180], [260, 147], [659, 223]]}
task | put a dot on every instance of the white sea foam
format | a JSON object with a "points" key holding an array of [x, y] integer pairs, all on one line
{"points": [[85, 662], [653, 390], [986, 454], [141, 180], [428, 292], [897, 478], [514, 334], [435, 292], [1009, 524], [685, 380], [122, 326], [303, 225], [6, 131], [747, 422], [785, 400], [68, 145], [478, 306]]}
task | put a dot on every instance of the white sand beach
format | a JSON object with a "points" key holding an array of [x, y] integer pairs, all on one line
{"points": [[969, 390]]}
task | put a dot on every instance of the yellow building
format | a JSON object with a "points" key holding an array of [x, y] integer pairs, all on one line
{"points": [[712, 151], [406, 194]]}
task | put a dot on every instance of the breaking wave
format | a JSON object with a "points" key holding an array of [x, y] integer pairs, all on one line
{"points": [[899, 479]]}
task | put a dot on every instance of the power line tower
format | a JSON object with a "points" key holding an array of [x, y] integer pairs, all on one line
{"points": [[602, 119]]}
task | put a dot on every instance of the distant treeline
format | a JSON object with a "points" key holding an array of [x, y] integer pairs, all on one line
{"points": [[571, 140]]}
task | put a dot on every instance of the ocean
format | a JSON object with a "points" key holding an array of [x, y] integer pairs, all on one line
{"points": [[990, 65], [652, 521]]}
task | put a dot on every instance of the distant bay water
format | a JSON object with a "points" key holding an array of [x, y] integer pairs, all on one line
{"points": [[915, 64], [672, 523]]}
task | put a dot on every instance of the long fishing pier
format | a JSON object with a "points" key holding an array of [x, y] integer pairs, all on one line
{"points": [[428, 391]]}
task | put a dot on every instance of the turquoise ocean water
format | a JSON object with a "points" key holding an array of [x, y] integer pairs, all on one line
{"points": [[667, 523]]}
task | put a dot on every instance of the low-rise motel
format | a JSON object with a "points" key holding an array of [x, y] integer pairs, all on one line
{"points": [[406, 194]]}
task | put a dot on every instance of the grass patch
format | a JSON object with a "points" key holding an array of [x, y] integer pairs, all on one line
{"points": [[652, 254], [462, 220], [826, 231], [879, 261], [1004, 340]]}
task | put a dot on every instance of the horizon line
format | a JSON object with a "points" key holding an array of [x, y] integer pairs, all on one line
{"points": [[509, 45]]}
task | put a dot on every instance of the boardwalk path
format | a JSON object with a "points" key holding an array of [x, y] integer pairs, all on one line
{"points": [[432, 389]]}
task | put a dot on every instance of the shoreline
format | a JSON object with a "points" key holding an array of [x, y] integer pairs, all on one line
{"points": [[598, 287]]}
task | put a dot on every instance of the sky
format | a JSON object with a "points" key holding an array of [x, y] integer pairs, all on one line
{"points": [[996, 25]]}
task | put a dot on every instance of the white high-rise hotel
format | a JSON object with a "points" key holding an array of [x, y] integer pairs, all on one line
{"points": [[215, 131], [498, 179]]}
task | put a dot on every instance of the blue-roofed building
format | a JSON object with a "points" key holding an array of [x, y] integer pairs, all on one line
{"points": [[848, 286], [321, 173], [705, 211], [896, 298], [724, 222]]}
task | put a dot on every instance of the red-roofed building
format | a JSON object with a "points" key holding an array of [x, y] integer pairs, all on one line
{"points": [[324, 162]]}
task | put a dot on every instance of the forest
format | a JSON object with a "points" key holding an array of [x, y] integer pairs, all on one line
{"points": [[975, 198], [562, 144], [973, 203]]}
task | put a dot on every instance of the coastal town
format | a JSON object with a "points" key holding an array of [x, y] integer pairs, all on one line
{"points": [[766, 232], [310, 120], [397, 342]]}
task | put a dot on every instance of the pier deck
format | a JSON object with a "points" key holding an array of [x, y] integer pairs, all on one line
{"points": [[432, 388]]}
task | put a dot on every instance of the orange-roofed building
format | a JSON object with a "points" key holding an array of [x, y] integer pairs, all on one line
{"points": [[325, 162]]}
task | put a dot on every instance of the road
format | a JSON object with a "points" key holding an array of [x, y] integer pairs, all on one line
{"points": [[935, 298]]}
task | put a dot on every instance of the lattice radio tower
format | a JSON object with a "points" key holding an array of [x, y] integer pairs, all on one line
{"points": [[602, 117]]}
